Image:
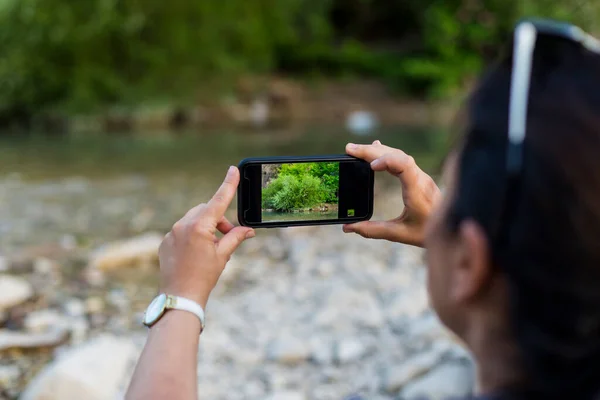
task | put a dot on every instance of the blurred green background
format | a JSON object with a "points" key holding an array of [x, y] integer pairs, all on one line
{"points": [[81, 56]]}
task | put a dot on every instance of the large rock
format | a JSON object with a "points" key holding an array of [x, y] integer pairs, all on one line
{"points": [[97, 370], [138, 251], [23, 340], [13, 291], [448, 381]]}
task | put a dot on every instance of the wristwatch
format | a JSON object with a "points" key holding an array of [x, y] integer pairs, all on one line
{"points": [[163, 302]]}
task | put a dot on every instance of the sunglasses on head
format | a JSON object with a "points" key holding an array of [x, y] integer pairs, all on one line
{"points": [[525, 36]]}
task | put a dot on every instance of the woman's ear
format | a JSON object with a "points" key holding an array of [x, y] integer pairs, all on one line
{"points": [[472, 269]]}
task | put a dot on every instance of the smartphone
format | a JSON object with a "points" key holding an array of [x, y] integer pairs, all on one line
{"points": [[314, 190]]}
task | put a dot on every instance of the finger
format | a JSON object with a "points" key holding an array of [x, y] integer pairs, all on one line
{"points": [[224, 196], [398, 164], [376, 142], [233, 239], [389, 230], [224, 226], [368, 152]]}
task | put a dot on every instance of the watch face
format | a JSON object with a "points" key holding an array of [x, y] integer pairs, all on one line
{"points": [[155, 309]]}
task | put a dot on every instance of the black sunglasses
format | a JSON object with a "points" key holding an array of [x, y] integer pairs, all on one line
{"points": [[525, 37]]}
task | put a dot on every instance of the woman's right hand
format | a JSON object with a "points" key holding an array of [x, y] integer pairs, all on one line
{"points": [[419, 192]]}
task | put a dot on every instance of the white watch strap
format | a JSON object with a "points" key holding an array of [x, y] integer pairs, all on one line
{"points": [[181, 303]]}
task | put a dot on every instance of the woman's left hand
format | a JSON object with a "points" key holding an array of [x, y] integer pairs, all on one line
{"points": [[192, 258]]}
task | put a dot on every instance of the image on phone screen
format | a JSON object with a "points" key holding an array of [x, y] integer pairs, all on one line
{"points": [[304, 191]]}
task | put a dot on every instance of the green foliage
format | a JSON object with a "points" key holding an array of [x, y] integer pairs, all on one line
{"points": [[302, 185], [288, 192], [81, 55]]}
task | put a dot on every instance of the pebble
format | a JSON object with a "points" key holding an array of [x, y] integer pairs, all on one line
{"points": [[287, 395], [95, 277], [350, 350], [322, 351], [74, 307], [44, 266], [13, 291], [448, 381], [9, 374], [94, 305], [42, 320], [288, 350], [94, 371]]}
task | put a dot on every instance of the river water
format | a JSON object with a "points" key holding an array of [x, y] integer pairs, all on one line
{"points": [[202, 157]]}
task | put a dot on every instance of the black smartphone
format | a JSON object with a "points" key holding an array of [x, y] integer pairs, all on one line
{"points": [[313, 190]]}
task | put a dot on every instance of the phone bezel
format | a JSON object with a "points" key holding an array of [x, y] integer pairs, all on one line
{"points": [[244, 188]]}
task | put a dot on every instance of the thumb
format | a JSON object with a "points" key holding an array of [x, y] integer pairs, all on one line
{"points": [[372, 229], [233, 239], [394, 231]]}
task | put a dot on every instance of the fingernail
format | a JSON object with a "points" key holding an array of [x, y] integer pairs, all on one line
{"points": [[352, 146], [250, 234], [230, 170], [347, 229], [375, 163], [377, 142]]}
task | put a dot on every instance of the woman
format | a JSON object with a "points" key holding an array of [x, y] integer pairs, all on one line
{"points": [[513, 256]]}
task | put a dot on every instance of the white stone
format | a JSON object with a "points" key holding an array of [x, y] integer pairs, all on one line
{"points": [[398, 376], [444, 382], [350, 350], [94, 371], [138, 251], [288, 350], [44, 266], [74, 307], [9, 374], [25, 340], [42, 320], [322, 351], [287, 395], [13, 291], [4, 264]]}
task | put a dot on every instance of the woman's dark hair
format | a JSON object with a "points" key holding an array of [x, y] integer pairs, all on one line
{"points": [[545, 233]]}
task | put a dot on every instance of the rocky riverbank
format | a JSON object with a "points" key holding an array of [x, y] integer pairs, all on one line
{"points": [[304, 313]]}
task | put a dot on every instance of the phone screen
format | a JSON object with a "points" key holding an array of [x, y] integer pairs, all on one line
{"points": [[278, 192], [300, 191]]}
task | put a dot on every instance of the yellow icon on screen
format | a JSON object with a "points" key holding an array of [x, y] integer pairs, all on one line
{"points": [[351, 212]]}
